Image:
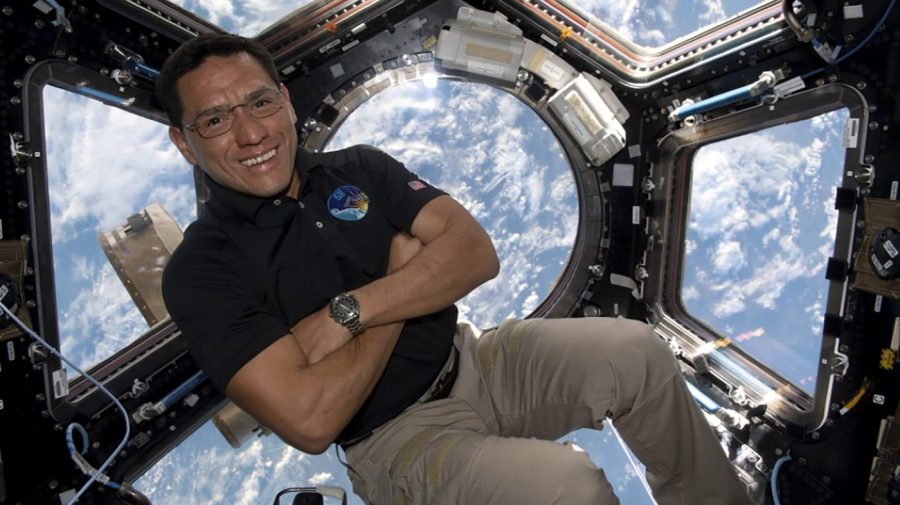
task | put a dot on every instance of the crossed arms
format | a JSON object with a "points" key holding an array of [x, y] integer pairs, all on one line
{"points": [[308, 384]]}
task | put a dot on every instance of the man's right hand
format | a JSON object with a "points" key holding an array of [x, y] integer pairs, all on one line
{"points": [[403, 248]]}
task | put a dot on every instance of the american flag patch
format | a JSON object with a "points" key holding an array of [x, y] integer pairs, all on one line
{"points": [[416, 185]]}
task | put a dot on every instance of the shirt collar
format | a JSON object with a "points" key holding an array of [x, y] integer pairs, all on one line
{"points": [[226, 202]]}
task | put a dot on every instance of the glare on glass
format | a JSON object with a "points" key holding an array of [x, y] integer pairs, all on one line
{"points": [[218, 120]]}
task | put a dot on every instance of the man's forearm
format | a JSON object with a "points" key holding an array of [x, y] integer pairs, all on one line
{"points": [[308, 405], [343, 380], [458, 257]]}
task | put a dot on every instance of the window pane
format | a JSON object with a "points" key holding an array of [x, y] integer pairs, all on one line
{"points": [[242, 17], [495, 155], [657, 22], [104, 165], [761, 229]]}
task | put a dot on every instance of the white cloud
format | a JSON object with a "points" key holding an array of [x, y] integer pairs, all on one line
{"points": [[690, 293], [728, 257], [320, 478], [105, 309], [715, 11]]}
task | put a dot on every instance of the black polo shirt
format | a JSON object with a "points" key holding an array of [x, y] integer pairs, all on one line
{"points": [[250, 267]]}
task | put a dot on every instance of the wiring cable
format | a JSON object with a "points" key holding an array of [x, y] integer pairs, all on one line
{"points": [[878, 25], [857, 397], [79, 460], [782, 460], [95, 474]]}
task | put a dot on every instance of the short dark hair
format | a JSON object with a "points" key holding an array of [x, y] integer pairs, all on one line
{"points": [[192, 54]]}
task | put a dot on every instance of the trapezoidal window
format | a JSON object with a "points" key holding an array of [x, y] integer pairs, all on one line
{"points": [[659, 22], [761, 228], [104, 166]]}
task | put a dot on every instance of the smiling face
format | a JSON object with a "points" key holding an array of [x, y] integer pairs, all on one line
{"points": [[256, 156]]}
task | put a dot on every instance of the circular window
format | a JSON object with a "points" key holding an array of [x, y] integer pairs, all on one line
{"points": [[498, 158]]}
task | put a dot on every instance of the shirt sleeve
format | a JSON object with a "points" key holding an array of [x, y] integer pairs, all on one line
{"points": [[217, 307], [403, 192]]}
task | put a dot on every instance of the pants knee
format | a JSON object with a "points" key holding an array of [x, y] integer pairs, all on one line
{"points": [[654, 350], [644, 365]]}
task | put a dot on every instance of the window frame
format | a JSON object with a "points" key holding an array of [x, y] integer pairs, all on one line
{"points": [[148, 352], [748, 381]]}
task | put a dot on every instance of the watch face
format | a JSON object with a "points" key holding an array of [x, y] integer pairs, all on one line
{"points": [[345, 307]]}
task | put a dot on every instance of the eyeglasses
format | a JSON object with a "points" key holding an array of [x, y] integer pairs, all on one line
{"points": [[218, 120]]}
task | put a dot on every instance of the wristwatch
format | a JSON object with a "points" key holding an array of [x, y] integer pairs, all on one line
{"points": [[344, 309]]}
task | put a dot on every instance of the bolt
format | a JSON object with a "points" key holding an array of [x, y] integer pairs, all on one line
{"points": [[869, 158], [52, 484], [40, 397], [778, 451], [848, 38], [8, 10], [45, 413], [18, 83], [860, 224], [832, 77], [39, 23], [15, 100], [873, 108], [861, 85], [829, 422], [826, 480], [23, 204], [843, 348], [834, 407], [95, 445], [60, 53], [31, 304], [848, 317], [816, 435], [20, 170], [29, 59], [73, 59], [873, 125]]}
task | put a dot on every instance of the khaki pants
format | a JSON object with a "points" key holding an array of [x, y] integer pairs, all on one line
{"points": [[527, 383]]}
